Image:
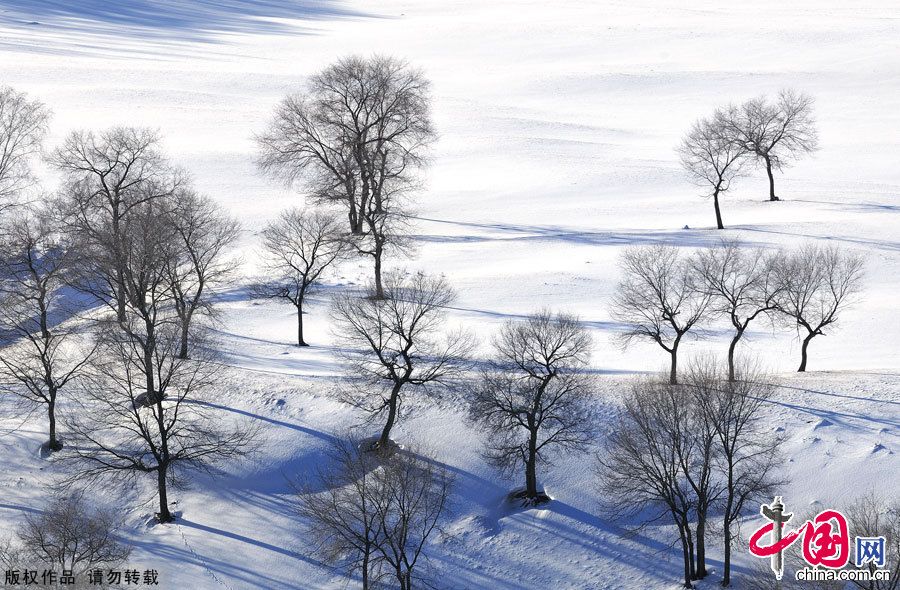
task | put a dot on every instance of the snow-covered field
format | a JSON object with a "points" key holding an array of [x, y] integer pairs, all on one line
{"points": [[557, 124]]}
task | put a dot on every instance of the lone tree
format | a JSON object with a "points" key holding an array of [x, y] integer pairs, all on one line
{"points": [[776, 133], [742, 284], [202, 238], [395, 344], [23, 125], [148, 414], [376, 514], [301, 244], [816, 283], [106, 177], [658, 299], [533, 398], [356, 135], [34, 270], [713, 157]]}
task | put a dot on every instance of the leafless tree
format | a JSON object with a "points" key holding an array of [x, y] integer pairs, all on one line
{"points": [[395, 343], [339, 507], [745, 452], [816, 283], [658, 298], [356, 136], [742, 284], [713, 157], [301, 244], [872, 515], [72, 536], [778, 132], [23, 125], [640, 470], [374, 514], [34, 269], [533, 398], [202, 237], [106, 176], [413, 494], [147, 415]]}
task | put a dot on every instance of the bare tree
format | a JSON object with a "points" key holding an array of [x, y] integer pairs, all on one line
{"points": [[23, 125], [375, 514], [356, 136], [872, 515], [533, 398], [713, 157], [34, 270], [395, 343], [816, 283], [413, 493], [778, 132], [146, 414], [107, 176], [72, 536], [339, 505], [745, 452], [742, 284], [658, 298], [301, 244], [640, 470], [203, 235]]}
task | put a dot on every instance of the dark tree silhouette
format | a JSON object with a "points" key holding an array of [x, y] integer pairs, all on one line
{"points": [[23, 125]]}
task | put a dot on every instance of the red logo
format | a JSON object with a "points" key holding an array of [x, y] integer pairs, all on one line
{"points": [[826, 538]]}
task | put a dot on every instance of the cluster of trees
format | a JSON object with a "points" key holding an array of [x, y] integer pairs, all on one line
{"points": [[126, 237], [664, 295], [682, 450], [771, 133]]}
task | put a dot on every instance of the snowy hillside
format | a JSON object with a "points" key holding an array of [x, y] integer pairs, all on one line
{"points": [[557, 130]]}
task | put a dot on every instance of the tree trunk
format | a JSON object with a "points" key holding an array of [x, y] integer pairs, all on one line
{"points": [[392, 417], [300, 340], [726, 562], [772, 196], [686, 557], [183, 350], [731, 349], [379, 288], [53, 444], [531, 491], [718, 212], [365, 569], [164, 514], [700, 570], [803, 347], [690, 544], [673, 368]]}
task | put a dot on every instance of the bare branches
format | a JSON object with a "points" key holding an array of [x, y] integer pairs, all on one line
{"points": [[393, 343], [658, 298], [23, 125], [356, 137], [376, 514], [301, 244], [712, 156], [533, 398], [816, 284]]}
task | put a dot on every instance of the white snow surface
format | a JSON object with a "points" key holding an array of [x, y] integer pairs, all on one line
{"points": [[558, 123]]}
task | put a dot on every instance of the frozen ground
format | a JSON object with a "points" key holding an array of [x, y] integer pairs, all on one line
{"points": [[557, 131]]}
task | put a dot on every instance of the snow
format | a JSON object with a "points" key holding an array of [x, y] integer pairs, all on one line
{"points": [[557, 124]]}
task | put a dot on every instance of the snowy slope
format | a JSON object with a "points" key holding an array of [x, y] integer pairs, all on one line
{"points": [[557, 124]]}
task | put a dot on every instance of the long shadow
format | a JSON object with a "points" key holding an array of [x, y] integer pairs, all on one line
{"points": [[841, 395], [878, 244], [694, 238], [175, 20], [834, 415], [20, 508], [310, 431], [244, 539]]}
